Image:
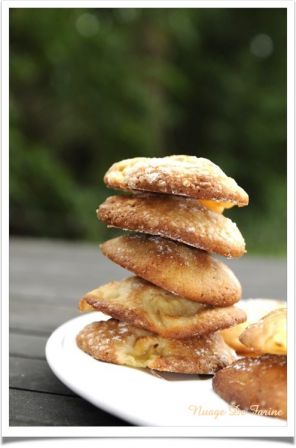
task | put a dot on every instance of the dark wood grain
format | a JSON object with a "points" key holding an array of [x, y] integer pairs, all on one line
{"points": [[60, 272], [27, 345], [27, 408], [35, 375], [39, 317], [47, 279]]}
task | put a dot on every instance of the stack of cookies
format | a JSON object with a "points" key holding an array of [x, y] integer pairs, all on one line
{"points": [[167, 317]]}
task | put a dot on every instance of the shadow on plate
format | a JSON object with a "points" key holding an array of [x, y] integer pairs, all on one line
{"points": [[170, 376]]}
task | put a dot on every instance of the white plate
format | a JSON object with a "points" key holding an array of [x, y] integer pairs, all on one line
{"points": [[137, 395]]}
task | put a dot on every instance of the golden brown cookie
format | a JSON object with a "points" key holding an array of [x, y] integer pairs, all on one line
{"points": [[179, 175], [255, 309], [189, 272], [120, 343], [269, 334], [174, 217], [145, 305], [257, 384]]}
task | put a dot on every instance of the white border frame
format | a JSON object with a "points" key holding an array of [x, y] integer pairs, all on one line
{"points": [[8, 431]]}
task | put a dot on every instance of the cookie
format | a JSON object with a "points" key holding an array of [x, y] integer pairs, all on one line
{"points": [[120, 343], [188, 272], [269, 334], [174, 217], [255, 309], [257, 384], [145, 305], [183, 175]]}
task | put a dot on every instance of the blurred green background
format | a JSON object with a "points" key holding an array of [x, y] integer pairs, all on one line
{"points": [[89, 87]]}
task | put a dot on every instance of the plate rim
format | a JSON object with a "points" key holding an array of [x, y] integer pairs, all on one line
{"points": [[54, 350]]}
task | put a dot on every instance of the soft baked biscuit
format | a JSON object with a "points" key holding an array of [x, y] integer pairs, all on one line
{"points": [[174, 217], [255, 309], [144, 305], [189, 272], [257, 384], [269, 334], [180, 175], [120, 343]]}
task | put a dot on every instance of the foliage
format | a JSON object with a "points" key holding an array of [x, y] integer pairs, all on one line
{"points": [[92, 86]]}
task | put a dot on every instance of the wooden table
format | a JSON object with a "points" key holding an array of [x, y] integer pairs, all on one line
{"points": [[47, 278]]}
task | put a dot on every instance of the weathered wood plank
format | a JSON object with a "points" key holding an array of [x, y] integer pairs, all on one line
{"points": [[39, 409], [39, 316], [57, 271], [35, 375], [27, 345], [47, 279]]}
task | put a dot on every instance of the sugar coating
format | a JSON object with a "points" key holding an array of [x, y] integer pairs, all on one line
{"points": [[186, 271], [140, 348], [180, 175], [174, 217]]}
